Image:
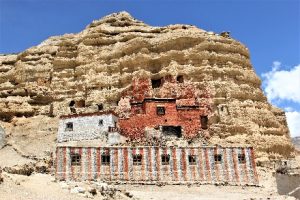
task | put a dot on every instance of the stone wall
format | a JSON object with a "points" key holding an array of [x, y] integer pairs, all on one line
{"points": [[179, 169], [86, 127], [2, 137]]}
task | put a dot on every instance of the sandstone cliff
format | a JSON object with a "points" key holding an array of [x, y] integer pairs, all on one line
{"points": [[91, 69]]}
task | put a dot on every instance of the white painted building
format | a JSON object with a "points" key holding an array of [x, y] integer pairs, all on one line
{"points": [[90, 126]]}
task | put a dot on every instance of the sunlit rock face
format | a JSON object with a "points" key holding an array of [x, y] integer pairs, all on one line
{"points": [[91, 70]]}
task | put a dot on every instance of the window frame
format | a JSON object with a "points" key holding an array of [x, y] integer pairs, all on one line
{"points": [[71, 128], [137, 159], [192, 159], [162, 111], [218, 158], [105, 159], [75, 159], [243, 160], [165, 159]]}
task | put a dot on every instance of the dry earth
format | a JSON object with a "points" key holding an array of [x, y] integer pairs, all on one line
{"points": [[42, 187]]}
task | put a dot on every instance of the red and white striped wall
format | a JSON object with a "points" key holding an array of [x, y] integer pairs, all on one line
{"points": [[121, 167]]}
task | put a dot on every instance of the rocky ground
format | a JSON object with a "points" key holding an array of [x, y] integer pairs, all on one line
{"points": [[40, 186], [43, 187]]}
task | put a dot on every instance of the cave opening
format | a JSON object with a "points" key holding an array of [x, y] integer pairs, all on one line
{"points": [[156, 83]]}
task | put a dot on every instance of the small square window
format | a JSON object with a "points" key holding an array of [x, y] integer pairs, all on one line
{"points": [[241, 158], [160, 110], [137, 159], [218, 158], [180, 79], [105, 159], [75, 159], [165, 159], [69, 126], [192, 159], [101, 122]]}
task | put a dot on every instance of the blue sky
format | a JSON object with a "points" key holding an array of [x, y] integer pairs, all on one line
{"points": [[269, 28]]}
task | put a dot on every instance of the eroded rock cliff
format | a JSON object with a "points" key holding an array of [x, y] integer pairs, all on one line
{"points": [[90, 71]]}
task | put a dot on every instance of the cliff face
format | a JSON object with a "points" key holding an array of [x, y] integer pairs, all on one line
{"points": [[92, 69]]}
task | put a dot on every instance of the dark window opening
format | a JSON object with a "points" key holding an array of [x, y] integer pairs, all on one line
{"points": [[160, 110], [105, 159], [222, 108], [101, 122], [204, 121], [156, 83], [165, 159], [241, 158], [192, 159], [73, 110], [72, 103], [69, 126], [218, 158], [137, 159], [75, 159], [180, 79], [172, 131], [80, 104], [100, 106]]}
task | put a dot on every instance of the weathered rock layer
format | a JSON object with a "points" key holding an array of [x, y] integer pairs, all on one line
{"points": [[93, 68]]}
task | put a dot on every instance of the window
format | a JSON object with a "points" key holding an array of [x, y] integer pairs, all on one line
{"points": [[75, 159], [101, 122], [137, 159], [156, 83], [203, 120], [165, 159], [160, 110], [180, 79], [100, 106], [105, 159], [241, 158], [192, 159], [69, 126], [218, 158]]}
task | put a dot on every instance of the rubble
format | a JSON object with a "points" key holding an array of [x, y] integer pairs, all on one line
{"points": [[94, 189]]}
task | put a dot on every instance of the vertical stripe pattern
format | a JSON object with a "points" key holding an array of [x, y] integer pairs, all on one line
{"points": [[186, 164]]}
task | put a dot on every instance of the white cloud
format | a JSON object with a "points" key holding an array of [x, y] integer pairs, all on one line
{"points": [[293, 120], [282, 84]]}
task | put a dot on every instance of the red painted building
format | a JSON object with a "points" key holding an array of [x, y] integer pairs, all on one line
{"points": [[168, 105], [164, 113]]}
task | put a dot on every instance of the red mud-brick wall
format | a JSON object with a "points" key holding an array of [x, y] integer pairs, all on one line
{"points": [[188, 119]]}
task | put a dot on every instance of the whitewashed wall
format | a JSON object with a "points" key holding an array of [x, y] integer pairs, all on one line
{"points": [[85, 127]]}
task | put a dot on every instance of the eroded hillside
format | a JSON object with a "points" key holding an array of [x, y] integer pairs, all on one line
{"points": [[90, 71]]}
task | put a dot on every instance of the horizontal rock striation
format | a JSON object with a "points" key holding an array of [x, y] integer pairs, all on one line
{"points": [[91, 70]]}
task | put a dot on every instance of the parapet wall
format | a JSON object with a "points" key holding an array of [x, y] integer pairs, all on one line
{"points": [[180, 169]]}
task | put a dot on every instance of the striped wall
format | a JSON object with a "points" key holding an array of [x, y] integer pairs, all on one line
{"points": [[151, 170]]}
